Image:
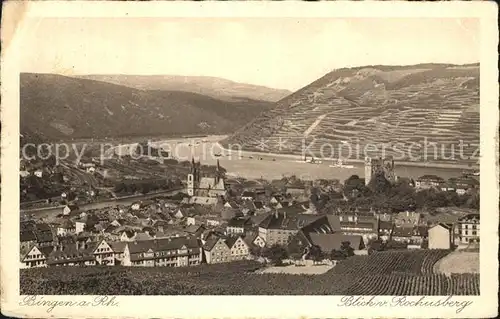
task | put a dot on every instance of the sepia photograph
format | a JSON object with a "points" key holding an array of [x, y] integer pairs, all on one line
{"points": [[245, 156]]}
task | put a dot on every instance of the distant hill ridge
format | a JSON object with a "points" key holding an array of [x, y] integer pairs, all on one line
{"points": [[210, 86], [56, 107], [380, 105]]}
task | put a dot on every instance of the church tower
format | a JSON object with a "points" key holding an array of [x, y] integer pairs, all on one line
{"points": [[191, 178]]}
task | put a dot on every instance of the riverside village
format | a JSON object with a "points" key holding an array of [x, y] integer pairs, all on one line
{"points": [[197, 214], [322, 165]]}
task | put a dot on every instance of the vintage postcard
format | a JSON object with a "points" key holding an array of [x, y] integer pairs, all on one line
{"points": [[258, 159]]}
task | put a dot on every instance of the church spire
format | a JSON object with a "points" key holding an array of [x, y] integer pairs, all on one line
{"points": [[193, 166], [217, 173]]}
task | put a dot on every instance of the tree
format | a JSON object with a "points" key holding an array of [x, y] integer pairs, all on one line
{"points": [[379, 184], [276, 254], [120, 187], [354, 184], [335, 195], [92, 220], [346, 249], [375, 245], [315, 253], [256, 251], [425, 244], [337, 255], [296, 248], [145, 188], [57, 177], [131, 188], [473, 201], [431, 198], [50, 161]]}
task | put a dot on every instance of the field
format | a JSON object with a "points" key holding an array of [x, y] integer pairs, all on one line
{"points": [[384, 273], [297, 270], [459, 262]]}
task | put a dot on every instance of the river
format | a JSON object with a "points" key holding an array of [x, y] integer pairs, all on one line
{"points": [[260, 166], [276, 166]]}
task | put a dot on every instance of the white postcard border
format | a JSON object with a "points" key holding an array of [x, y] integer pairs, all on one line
{"points": [[252, 306]]}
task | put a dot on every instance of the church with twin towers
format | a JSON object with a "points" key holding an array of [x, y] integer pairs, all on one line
{"points": [[203, 188]]}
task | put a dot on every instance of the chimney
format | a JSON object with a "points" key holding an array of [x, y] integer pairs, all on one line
{"points": [[284, 215], [276, 214]]}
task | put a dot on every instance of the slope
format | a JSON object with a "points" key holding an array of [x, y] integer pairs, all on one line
{"points": [[390, 107], [210, 86], [57, 107]]}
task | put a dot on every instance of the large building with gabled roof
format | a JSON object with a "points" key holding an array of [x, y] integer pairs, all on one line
{"points": [[168, 252], [279, 226]]}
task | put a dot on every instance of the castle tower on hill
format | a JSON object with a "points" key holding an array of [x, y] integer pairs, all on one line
{"points": [[375, 166]]}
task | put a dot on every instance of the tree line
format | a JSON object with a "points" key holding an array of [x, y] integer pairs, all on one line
{"points": [[380, 194]]}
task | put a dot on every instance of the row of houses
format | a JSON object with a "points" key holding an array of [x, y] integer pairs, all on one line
{"points": [[323, 231], [464, 232], [179, 251], [461, 185]]}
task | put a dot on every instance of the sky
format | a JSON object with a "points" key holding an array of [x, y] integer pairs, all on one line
{"points": [[286, 53]]}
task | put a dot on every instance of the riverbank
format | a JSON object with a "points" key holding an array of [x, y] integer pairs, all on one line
{"points": [[354, 161]]}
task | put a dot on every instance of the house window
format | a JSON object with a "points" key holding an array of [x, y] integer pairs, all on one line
{"points": [[474, 232], [474, 226]]}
